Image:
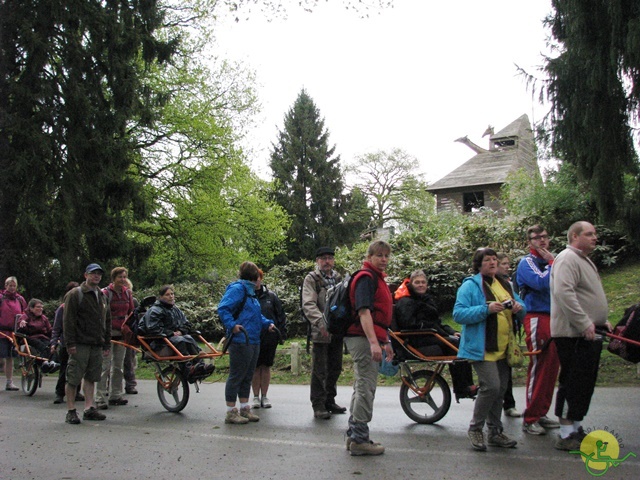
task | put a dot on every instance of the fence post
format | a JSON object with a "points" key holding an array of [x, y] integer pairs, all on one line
{"points": [[295, 358]]}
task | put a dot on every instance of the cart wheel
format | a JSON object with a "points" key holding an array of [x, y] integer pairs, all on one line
{"points": [[432, 405], [30, 376], [173, 390]]}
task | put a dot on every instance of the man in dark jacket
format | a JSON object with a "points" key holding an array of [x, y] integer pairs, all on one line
{"points": [[87, 331], [326, 356]]}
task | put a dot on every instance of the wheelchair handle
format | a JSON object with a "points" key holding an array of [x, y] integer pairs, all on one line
{"points": [[227, 342]]}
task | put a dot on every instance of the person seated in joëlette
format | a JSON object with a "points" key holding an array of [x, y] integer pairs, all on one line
{"points": [[38, 330], [165, 318], [417, 311]]}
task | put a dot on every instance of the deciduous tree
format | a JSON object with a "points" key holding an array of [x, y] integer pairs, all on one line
{"points": [[394, 191]]}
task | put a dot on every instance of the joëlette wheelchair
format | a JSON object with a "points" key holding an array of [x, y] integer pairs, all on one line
{"points": [[425, 395], [29, 362], [170, 365]]}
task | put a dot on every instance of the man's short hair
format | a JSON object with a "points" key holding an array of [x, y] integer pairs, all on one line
{"points": [[575, 229], [537, 229], [378, 246]]}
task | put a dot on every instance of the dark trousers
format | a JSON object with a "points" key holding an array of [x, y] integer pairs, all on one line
{"points": [[461, 372], [579, 362], [508, 400], [63, 357], [326, 368]]}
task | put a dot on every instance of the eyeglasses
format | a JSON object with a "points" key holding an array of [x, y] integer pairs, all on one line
{"points": [[324, 258], [539, 237]]}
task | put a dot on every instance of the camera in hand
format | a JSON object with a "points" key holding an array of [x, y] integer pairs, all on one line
{"points": [[507, 304]]}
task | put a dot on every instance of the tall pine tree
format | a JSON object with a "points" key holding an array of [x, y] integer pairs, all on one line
{"points": [[70, 93], [308, 181], [594, 89]]}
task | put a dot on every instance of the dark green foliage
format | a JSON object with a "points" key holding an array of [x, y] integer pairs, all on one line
{"points": [[594, 88], [308, 182], [70, 91]]}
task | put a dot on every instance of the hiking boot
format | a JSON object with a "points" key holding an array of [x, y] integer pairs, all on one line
{"points": [[256, 402], [58, 400], [477, 440], [333, 407], [350, 441], [118, 401], [323, 414], [366, 448], [580, 434], [93, 414], [131, 391], [233, 416], [546, 422], [501, 440], [264, 402], [72, 417], [102, 406], [11, 387], [533, 429], [246, 413], [513, 412], [571, 443]]}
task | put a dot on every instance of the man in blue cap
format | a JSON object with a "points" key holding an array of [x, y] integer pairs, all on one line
{"points": [[87, 333]]}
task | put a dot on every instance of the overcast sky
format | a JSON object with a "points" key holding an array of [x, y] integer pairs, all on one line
{"points": [[415, 77]]}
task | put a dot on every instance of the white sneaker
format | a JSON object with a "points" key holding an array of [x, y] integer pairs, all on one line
{"points": [[533, 429], [256, 402], [547, 422], [265, 402]]}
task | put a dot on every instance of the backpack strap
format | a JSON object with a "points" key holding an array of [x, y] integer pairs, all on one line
{"points": [[242, 304]]}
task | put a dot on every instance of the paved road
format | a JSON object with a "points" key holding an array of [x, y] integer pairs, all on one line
{"points": [[143, 441]]}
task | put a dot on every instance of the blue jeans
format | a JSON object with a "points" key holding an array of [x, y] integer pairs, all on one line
{"points": [[242, 363]]}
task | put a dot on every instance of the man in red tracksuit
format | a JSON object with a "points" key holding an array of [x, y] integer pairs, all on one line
{"points": [[532, 277]]}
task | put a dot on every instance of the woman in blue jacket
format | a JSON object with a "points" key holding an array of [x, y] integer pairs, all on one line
{"points": [[239, 307], [485, 307]]}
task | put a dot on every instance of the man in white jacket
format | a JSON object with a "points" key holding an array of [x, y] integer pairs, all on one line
{"points": [[578, 305]]}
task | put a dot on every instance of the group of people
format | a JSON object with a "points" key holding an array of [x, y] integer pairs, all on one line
{"points": [[78, 343], [559, 301]]}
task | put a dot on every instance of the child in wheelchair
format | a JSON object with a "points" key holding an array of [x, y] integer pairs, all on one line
{"points": [[37, 329], [416, 311]]}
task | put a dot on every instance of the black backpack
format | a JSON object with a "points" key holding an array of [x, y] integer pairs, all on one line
{"points": [[338, 314], [628, 327]]}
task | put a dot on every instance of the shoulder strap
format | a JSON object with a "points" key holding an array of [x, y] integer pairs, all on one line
{"points": [[80, 295], [241, 307], [319, 281]]}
